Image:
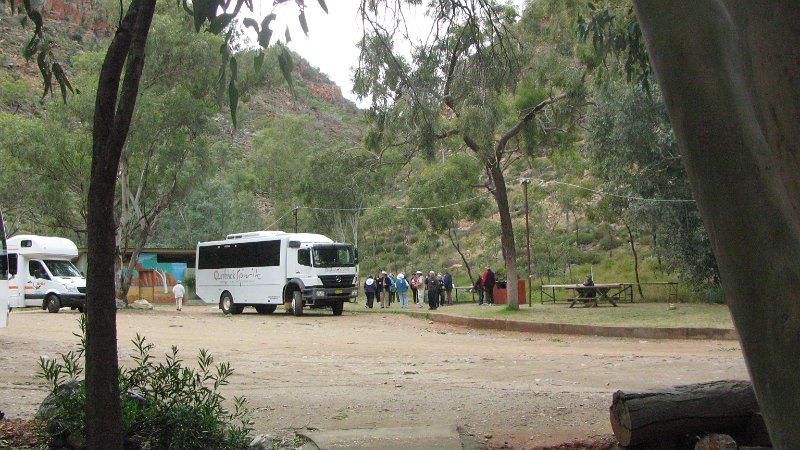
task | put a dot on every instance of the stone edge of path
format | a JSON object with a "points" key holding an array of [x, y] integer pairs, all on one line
{"points": [[576, 329]]}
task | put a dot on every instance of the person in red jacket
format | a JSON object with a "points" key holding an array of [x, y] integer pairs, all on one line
{"points": [[488, 285]]}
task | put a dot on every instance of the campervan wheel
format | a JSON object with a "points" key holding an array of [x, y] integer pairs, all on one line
{"points": [[53, 303]]}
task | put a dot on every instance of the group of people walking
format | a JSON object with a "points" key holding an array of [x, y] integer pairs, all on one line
{"points": [[433, 289]]}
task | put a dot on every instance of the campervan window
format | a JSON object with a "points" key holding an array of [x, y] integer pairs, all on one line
{"points": [[246, 254], [36, 270], [12, 264], [60, 268]]}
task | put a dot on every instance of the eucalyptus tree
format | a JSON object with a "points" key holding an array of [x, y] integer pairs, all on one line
{"points": [[438, 195], [115, 103], [634, 152], [458, 84], [728, 74]]}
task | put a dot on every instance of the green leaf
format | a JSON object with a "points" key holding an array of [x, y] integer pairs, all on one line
{"points": [[233, 97], [303, 23], [220, 22], [203, 9], [47, 75], [250, 22], [258, 61], [34, 15], [234, 69], [323, 5], [63, 81], [287, 64], [31, 47], [265, 34]]}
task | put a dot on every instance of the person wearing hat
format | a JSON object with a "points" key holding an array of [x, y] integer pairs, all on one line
{"points": [[401, 287], [369, 291], [588, 292], [413, 281], [179, 292]]}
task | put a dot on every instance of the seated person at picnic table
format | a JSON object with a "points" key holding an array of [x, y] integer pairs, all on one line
{"points": [[590, 292]]}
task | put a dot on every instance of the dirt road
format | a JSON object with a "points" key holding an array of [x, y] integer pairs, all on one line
{"points": [[383, 370]]}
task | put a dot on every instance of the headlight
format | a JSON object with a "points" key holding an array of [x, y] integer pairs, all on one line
{"points": [[71, 289]]}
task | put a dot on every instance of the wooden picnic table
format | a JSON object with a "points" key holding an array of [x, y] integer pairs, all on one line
{"points": [[602, 292]]}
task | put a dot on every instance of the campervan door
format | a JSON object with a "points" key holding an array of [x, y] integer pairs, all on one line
{"points": [[4, 294]]}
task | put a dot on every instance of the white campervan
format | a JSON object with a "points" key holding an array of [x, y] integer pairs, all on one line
{"points": [[265, 269], [42, 274]]}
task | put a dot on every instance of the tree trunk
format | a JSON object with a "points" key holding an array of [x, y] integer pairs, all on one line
{"points": [[728, 71], [635, 258], [451, 233], [111, 124], [506, 232], [642, 417]]}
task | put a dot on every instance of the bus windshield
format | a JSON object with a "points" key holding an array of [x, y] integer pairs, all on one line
{"points": [[63, 269], [334, 255]]}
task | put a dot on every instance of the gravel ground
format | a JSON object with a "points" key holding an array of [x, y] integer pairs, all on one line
{"points": [[371, 370]]}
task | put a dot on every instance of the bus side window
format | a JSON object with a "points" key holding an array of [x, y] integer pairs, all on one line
{"points": [[12, 264], [304, 257]]}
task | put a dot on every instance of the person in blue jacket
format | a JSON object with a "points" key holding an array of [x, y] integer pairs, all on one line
{"points": [[401, 286], [447, 280]]}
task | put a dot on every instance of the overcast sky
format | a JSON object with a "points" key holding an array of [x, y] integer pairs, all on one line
{"points": [[331, 42]]}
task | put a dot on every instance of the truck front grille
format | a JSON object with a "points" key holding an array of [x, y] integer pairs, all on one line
{"points": [[337, 281]]}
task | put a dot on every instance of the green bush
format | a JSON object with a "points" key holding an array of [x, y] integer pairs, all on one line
{"points": [[164, 405]]}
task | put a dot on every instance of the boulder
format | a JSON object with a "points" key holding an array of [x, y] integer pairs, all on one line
{"points": [[141, 304], [262, 442]]}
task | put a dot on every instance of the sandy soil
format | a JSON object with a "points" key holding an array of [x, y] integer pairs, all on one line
{"points": [[375, 370]]}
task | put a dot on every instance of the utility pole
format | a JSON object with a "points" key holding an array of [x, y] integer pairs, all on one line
{"points": [[295, 219], [525, 183]]}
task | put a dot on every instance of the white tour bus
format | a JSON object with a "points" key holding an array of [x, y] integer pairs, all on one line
{"points": [[42, 273], [264, 269]]}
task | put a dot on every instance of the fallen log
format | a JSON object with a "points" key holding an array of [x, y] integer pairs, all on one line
{"points": [[640, 417]]}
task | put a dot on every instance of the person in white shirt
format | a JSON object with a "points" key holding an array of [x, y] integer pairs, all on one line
{"points": [[178, 291]]}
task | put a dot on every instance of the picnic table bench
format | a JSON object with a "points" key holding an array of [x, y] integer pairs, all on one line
{"points": [[610, 293]]}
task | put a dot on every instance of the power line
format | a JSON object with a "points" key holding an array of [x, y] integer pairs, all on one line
{"points": [[427, 208], [610, 194]]}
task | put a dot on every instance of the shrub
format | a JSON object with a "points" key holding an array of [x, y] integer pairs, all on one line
{"points": [[164, 405]]}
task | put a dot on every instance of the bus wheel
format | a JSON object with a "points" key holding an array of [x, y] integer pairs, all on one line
{"points": [[337, 308], [266, 309], [53, 304], [226, 304], [297, 303]]}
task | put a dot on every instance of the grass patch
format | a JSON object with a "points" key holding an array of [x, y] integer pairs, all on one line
{"points": [[656, 315]]}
